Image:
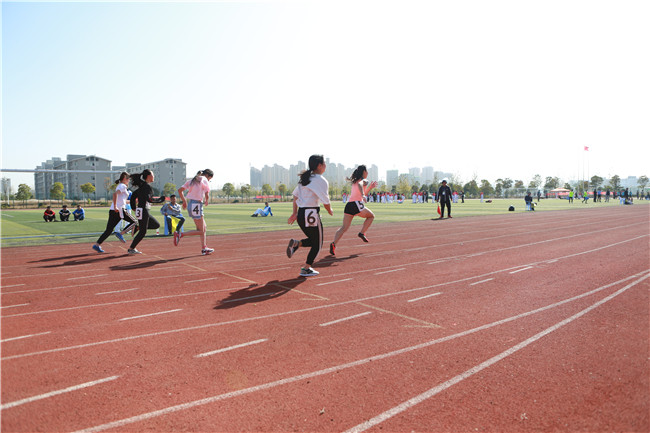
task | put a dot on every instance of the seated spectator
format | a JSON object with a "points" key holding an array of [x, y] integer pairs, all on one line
{"points": [[79, 214], [263, 212], [64, 213], [49, 215], [172, 209]]}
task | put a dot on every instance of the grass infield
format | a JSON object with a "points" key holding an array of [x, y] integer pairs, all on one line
{"points": [[26, 227]]}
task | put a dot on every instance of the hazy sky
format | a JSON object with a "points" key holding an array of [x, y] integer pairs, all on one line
{"points": [[486, 88]]}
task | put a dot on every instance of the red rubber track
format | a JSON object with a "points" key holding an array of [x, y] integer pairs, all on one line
{"points": [[523, 322]]}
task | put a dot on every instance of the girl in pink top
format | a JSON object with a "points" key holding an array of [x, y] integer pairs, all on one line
{"points": [[198, 195], [355, 206]]}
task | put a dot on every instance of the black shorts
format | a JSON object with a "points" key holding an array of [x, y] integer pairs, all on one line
{"points": [[354, 207]]}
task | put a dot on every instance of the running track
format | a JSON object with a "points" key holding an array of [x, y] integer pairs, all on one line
{"points": [[524, 322]]}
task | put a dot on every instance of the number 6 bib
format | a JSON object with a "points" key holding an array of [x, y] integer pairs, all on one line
{"points": [[311, 218]]}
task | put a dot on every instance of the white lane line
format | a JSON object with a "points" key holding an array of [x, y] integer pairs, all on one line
{"points": [[334, 282], [482, 366], [274, 269], [24, 336], [522, 269], [53, 393], [12, 306], [251, 297], [203, 279], [89, 276], [117, 291], [226, 349], [299, 311], [345, 318], [424, 297], [12, 285], [387, 272], [152, 314], [337, 368], [482, 281]]}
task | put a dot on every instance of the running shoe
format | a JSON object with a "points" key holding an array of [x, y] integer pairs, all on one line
{"points": [[97, 248], [363, 237], [308, 272], [177, 238], [332, 249], [206, 251], [120, 237], [293, 246], [133, 251]]}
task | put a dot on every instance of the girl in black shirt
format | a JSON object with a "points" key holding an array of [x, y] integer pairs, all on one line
{"points": [[140, 201]]}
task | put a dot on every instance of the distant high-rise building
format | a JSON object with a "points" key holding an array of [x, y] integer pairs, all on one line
{"points": [[255, 178], [427, 175], [6, 188], [392, 177]]}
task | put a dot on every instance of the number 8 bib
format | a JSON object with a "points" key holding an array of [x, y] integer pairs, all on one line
{"points": [[311, 218]]}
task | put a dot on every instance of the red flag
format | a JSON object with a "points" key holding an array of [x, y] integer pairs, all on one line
{"points": [[439, 213], [586, 148]]}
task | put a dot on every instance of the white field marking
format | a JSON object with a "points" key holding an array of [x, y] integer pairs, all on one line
{"points": [[345, 318], [482, 281], [24, 336], [334, 282], [238, 277], [387, 272], [437, 261], [13, 285], [117, 291], [482, 366], [53, 393], [202, 279], [286, 313], [424, 297], [274, 269], [12, 306], [152, 314], [89, 276], [209, 400], [226, 349], [251, 297], [522, 269]]}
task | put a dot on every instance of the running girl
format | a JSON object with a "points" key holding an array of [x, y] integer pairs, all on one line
{"points": [[117, 213], [312, 188], [141, 200], [198, 194], [360, 188]]}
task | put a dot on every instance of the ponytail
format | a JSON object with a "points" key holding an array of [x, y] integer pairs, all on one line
{"points": [[207, 173], [139, 179], [122, 176], [357, 174], [314, 162]]}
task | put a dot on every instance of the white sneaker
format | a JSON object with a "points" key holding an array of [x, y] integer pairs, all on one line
{"points": [[133, 251], [205, 251], [292, 247], [308, 272]]}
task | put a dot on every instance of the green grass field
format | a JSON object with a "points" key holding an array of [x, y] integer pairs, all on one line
{"points": [[26, 227]]}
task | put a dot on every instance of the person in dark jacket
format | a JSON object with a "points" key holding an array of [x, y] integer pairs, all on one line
{"points": [[444, 198], [141, 200]]}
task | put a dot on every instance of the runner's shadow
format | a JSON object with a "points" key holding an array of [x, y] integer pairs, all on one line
{"points": [[97, 259], [256, 293], [52, 259], [141, 265], [328, 261]]}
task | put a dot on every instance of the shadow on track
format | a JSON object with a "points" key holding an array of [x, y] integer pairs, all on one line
{"points": [[95, 259], [256, 293], [328, 261], [141, 265]]}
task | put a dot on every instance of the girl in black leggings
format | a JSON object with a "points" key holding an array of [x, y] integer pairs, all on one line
{"points": [[140, 201], [117, 212]]}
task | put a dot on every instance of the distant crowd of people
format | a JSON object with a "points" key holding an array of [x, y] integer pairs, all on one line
{"points": [[64, 214]]}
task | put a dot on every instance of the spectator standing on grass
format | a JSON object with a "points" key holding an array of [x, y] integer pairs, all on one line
{"points": [[529, 201], [79, 214], [198, 195], [444, 198], [173, 209], [64, 213], [356, 207], [312, 190], [117, 213], [49, 215], [141, 200]]}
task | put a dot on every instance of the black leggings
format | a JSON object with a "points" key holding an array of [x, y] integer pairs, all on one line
{"points": [[312, 226], [151, 223], [113, 219]]}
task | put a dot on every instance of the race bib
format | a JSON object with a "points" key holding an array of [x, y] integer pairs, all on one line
{"points": [[196, 209], [138, 213], [311, 218]]}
